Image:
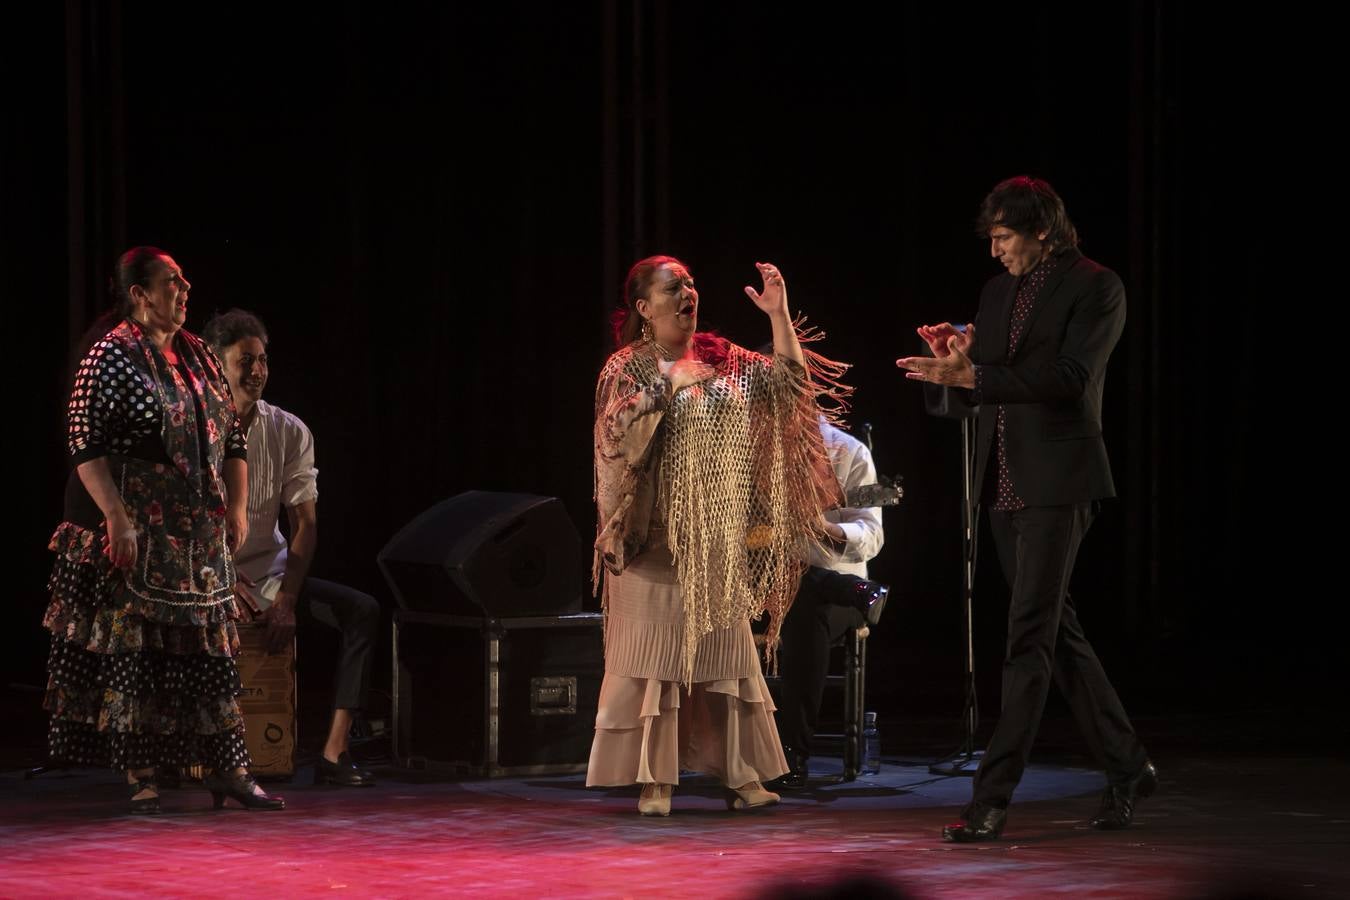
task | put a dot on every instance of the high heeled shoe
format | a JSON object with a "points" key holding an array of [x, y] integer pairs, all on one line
{"points": [[655, 799], [146, 806], [241, 788], [750, 796]]}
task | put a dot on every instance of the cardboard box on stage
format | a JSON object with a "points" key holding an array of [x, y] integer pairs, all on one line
{"points": [[484, 696], [268, 702]]}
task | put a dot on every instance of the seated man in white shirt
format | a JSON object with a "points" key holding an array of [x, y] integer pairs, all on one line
{"points": [[834, 596], [281, 474]]}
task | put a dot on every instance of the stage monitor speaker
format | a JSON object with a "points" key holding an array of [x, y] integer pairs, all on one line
{"points": [[487, 554]]}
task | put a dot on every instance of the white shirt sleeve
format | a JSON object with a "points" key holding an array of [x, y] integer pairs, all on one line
{"points": [[862, 527], [299, 478]]}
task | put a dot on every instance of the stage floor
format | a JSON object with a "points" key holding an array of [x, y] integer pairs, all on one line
{"points": [[1238, 826]]}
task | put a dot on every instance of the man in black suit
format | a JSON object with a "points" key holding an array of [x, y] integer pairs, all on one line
{"points": [[1031, 369]]}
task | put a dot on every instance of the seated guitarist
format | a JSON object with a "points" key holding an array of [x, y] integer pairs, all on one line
{"points": [[834, 597]]}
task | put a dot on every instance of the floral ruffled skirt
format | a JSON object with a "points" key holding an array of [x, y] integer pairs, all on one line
{"points": [[141, 670]]}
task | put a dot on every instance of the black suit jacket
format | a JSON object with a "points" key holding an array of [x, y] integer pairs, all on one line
{"points": [[1050, 384]]}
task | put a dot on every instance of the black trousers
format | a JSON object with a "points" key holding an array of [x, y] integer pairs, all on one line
{"points": [[356, 616], [1037, 548], [813, 624]]}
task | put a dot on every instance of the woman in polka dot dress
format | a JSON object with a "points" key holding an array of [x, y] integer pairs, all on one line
{"points": [[141, 671]]}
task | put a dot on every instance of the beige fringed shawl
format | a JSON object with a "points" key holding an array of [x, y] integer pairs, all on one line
{"points": [[741, 469]]}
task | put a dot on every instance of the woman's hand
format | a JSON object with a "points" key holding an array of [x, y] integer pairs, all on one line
{"points": [[120, 544], [684, 372], [773, 300]]}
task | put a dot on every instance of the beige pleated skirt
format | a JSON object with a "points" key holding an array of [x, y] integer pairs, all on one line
{"points": [[648, 729]]}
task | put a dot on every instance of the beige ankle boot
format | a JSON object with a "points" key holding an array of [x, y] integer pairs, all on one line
{"points": [[750, 796], [655, 799]]}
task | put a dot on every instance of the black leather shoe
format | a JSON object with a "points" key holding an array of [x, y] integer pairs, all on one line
{"points": [[1119, 800], [796, 777], [344, 772], [871, 599], [979, 823]]}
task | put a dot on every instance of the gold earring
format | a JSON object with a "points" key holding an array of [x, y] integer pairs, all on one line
{"points": [[646, 330]]}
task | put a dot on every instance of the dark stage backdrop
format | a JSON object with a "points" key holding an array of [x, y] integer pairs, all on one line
{"points": [[432, 206]]}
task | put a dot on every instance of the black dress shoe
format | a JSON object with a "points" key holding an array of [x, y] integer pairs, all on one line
{"points": [[794, 780], [979, 823], [796, 777], [344, 772], [1119, 800], [871, 599]]}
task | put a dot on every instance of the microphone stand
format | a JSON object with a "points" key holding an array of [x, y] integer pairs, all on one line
{"points": [[966, 759]]}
